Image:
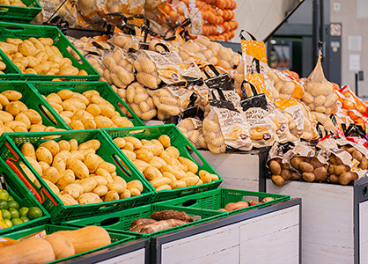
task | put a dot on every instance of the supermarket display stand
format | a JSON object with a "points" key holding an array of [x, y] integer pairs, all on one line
{"points": [[242, 170], [266, 235], [334, 226], [135, 252]]}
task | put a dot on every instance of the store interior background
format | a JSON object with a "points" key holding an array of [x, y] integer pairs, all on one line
{"points": [[343, 56]]}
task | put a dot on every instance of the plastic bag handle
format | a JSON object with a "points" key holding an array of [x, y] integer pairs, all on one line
{"points": [[254, 90], [213, 68], [163, 46], [241, 35]]}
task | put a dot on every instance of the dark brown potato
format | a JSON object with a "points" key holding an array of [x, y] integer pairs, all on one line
{"points": [[295, 162], [275, 167], [333, 178], [346, 178], [309, 176], [306, 167], [321, 174], [286, 174], [278, 180], [295, 176], [357, 155]]}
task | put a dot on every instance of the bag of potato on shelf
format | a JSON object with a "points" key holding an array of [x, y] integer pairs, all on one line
{"points": [[51, 9], [226, 126], [262, 130], [170, 101], [193, 51], [192, 129], [319, 93], [91, 11], [126, 42], [221, 82], [138, 100], [310, 162], [119, 68], [153, 67], [279, 163], [326, 121], [97, 63], [281, 122], [203, 92]]}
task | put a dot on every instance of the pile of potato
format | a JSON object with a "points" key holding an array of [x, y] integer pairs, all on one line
{"points": [[310, 168], [243, 204], [12, 3], [161, 163], [138, 100], [38, 56], [76, 174], [16, 117], [119, 69], [2, 67], [320, 97], [87, 110]]}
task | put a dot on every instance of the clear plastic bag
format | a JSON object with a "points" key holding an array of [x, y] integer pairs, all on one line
{"points": [[284, 85], [119, 68], [192, 130], [140, 101], [97, 63]]}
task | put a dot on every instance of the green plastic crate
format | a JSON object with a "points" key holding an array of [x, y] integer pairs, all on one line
{"points": [[179, 141], [20, 14], [11, 71], [33, 101], [219, 198], [24, 197], [106, 92], [121, 221], [25, 31], [10, 145], [116, 238]]}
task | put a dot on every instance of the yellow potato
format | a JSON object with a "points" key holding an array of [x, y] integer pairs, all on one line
{"points": [[89, 198], [111, 196], [88, 184], [52, 146], [51, 174], [104, 173], [80, 169], [74, 190], [135, 184], [100, 190]]}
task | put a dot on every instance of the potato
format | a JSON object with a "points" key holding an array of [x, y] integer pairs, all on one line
{"points": [[52, 186], [295, 176], [111, 196], [364, 163], [74, 190], [104, 173], [120, 142], [156, 182], [12, 108], [64, 145], [88, 184], [89, 198], [65, 180], [278, 180], [192, 167], [24, 119], [340, 169], [28, 150], [236, 206], [295, 162], [93, 144], [43, 154], [59, 164], [12, 95], [91, 161], [204, 176], [320, 174], [275, 167], [308, 176], [134, 191], [44, 166], [100, 180], [144, 154], [178, 173], [135, 141], [51, 174], [135, 184], [116, 186], [357, 155], [151, 173], [33, 116], [345, 178], [286, 174], [125, 194], [100, 190], [52, 146], [191, 181], [306, 167], [80, 169], [5, 116]]}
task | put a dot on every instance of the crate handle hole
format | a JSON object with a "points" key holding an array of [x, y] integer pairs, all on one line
{"points": [[110, 221], [195, 156], [190, 202], [365, 191], [47, 114], [135, 132], [121, 165]]}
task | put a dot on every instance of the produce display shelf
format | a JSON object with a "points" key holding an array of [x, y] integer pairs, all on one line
{"points": [[33, 101], [24, 198], [116, 238], [20, 14], [10, 152], [121, 221], [179, 141], [106, 92], [219, 198], [25, 31]]}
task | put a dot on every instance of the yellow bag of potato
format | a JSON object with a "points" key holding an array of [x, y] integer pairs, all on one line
{"points": [[319, 93], [119, 68]]}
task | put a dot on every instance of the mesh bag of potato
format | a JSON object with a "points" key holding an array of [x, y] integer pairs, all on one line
{"points": [[202, 90], [86, 111], [278, 163], [281, 122], [119, 68], [38, 56], [319, 93], [192, 129], [139, 101], [284, 85], [170, 101], [89, 45], [97, 63], [325, 120], [68, 11], [228, 59], [225, 125], [193, 51], [92, 11], [118, 9], [309, 162], [126, 42], [262, 131]]}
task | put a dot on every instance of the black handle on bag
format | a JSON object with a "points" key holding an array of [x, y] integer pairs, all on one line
{"points": [[213, 68], [163, 46], [254, 90], [241, 36]]}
